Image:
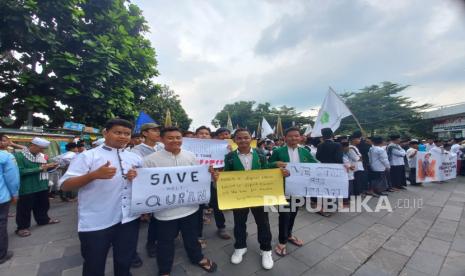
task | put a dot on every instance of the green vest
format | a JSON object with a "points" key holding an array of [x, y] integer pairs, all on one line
{"points": [[282, 154], [29, 172], [233, 163]]}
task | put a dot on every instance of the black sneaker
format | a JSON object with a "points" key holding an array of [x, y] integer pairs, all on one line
{"points": [[136, 261], [7, 257], [151, 250]]}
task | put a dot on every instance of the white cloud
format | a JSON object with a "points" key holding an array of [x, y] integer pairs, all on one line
{"points": [[288, 52]]}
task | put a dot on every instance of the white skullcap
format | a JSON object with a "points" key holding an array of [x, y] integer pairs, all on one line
{"points": [[40, 142], [98, 142]]}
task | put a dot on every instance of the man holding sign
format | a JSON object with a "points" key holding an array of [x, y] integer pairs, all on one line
{"points": [[294, 154], [182, 219], [244, 159]]}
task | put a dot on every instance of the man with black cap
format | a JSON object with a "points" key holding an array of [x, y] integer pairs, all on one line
{"points": [[151, 144], [329, 152], [396, 155], [33, 191]]}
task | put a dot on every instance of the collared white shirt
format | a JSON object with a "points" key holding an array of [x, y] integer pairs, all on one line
{"points": [[246, 159], [143, 149], [412, 158], [356, 158], [165, 158], [103, 202], [293, 154], [379, 161], [397, 155]]}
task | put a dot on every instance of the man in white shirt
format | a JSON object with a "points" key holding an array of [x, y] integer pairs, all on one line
{"points": [[412, 161], [379, 164], [103, 176], [360, 176], [396, 155], [182, 219]]}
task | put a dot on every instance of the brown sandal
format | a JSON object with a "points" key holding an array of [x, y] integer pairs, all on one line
{"points": [[295, 241], [23, 233], [208, 265], [280, 250], [53, 221]]}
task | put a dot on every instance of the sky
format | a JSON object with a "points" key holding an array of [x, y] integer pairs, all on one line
{"points": [[289, 52]]}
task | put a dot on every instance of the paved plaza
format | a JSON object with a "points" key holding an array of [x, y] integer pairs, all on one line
{"points": [[411, 240]]}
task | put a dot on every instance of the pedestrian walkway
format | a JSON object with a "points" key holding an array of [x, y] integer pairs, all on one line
{"points": [[411, 240]]}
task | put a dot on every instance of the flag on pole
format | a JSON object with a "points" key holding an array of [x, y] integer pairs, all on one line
{"points": [[229, 124], [331, 113], [168, 122], [266, 129], [253, 134], [143, 118], [258, 133], [279, 128]]}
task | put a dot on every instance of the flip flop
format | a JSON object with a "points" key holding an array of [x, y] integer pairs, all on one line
{"points": [[280, 251], [295, 241], [208, 265], [53, 221], [23, 233]]}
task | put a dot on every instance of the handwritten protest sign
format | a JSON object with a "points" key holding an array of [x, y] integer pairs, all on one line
{"points": [[317, 180], [242, 189], [161, 188], [435, 166], [233, 145], [207, 151]]}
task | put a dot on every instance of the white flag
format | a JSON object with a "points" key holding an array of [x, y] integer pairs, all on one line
{"points": [[331, 113], [308, 130], [266, 128]]}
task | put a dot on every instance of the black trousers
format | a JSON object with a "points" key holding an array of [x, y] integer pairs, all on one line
{"points": [[202, 207], [167, 231], [152, 232], [412, 177], [217, 213], [397, 174], [286, 223], [37, 203], [360, 182], [4, 207], [263, 227], [96, 244]]}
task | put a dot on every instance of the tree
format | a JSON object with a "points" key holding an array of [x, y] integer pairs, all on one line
{"points": [[82, 60], [160, 100], [249, 114], [381, 111]]}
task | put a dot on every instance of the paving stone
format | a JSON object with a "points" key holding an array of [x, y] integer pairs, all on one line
{"points": [[426, 262], [286, 266], [451, 212], [458, 244], [312, 253], [326, 268], [351, 228], [454, 264], [435, 246], [334, 239], [401, 245], [30, 269], [407, 271], [428, 213], [383, 262], [443, 229], [414, 229], [348, 257]]}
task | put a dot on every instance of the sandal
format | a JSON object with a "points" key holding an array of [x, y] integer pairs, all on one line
{"points": [[206, 220], [53, 221], [280, 250], [295, 241], [23, 233], [324, 214], [208, 265]]}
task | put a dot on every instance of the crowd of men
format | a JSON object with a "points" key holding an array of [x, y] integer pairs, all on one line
{"points": [[102, 177]]}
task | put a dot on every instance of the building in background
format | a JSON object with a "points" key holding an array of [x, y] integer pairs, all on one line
{"points": [[448, 120]]}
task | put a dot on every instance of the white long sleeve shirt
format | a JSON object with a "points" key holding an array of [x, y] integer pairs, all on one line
{"points": [[379, 161], [412, 157], [397, 155]]}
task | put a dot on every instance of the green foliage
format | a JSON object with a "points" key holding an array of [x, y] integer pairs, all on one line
{"points": [[381, 111], [90, 56], [160, 100], [249, 114]]}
